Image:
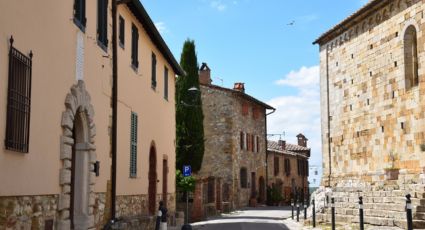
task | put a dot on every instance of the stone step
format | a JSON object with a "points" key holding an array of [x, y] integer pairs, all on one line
{"points": [[420, 215], [420, 208]]}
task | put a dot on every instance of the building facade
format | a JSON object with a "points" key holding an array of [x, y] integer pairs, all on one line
{"points": [[288, 169], [56, 116], [372, 87], [233, 170]]}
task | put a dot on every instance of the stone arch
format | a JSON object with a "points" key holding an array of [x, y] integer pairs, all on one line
{"points": [[78, 132], [152, 178], [411, 62]]}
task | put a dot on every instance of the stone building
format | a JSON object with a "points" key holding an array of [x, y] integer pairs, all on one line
{"points": [[288, 168], [56, 108], [233, 169], [373, 117]]}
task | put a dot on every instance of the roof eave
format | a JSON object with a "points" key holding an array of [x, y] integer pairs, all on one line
{"points": [[141, 14]]}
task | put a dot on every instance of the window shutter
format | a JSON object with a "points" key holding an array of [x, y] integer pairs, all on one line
{"points": [[166, 83], [133, 145], [153, 77]]}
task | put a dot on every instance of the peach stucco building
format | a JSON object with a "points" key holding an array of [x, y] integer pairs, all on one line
{"points": [[56, 112]]}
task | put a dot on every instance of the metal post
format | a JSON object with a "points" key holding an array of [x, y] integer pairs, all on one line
{"points": [[333, 212], [314, 214], [292, 205], [305, 210], [409, 212], [187, 207], [298, 211], [361, 213]]}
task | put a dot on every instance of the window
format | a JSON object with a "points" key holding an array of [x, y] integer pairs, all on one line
{"points": [[153, 75], [410, 58], [80, 14], [18, 101], [133, 145], [242, 140], [287, 167], [245, 109], [122, 31], [316, 172], [134, 47], [211, 190], [258, 144], [276, 166], [165, 83], [244, 178], [102, 23]]}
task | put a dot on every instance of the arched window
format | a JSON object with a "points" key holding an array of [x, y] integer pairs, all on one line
{"points": [[244, 178], [410, 58]]}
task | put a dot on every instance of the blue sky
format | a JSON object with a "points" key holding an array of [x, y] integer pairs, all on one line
{"points": [[250, 41]]}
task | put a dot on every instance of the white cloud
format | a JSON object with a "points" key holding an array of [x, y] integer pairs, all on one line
{"points": [[218, 5], [304, 77], [160, 26], [299, 113]]}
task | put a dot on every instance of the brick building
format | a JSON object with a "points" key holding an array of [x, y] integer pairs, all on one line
{"points": [[373, 117], [233, 169], [288, 168]]}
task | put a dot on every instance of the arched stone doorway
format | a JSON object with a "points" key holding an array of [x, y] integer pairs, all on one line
{"points": [[152, 180], [262, 192], [77, 152]]}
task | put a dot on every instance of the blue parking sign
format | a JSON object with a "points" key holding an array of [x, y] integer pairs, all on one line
{"points": [[187, 170]]}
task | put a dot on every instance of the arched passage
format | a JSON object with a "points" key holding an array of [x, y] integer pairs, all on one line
{"points": [[152, 179], [77, 153]]}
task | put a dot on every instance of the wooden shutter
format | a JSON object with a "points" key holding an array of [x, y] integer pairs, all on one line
{"points": [[133, 145], [18, 101], [134, 46], [122, 31], [153, 76], [165, 83]]}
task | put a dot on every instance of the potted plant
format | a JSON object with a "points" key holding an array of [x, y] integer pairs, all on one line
{"points": [[391, 172]]}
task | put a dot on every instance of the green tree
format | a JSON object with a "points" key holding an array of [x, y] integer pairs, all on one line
{"points": [[189, 116]]}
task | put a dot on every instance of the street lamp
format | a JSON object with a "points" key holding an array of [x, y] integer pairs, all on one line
{"points": [[192, 91]]}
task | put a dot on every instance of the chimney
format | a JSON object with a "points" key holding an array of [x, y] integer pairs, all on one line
{"points": [[205, 74], [239, 86], [302, 140], [282, 144]]}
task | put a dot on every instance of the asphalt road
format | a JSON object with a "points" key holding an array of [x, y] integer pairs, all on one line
{"points": [[263, 218]]}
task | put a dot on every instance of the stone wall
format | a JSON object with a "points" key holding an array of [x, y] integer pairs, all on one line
{"points": [[39, 212], [376, 122]]}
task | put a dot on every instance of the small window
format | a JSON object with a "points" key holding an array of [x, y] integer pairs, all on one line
{"points": [[153, 74], [102, 23], [18, 101], [276, 166], [258, 144], [122, 32], [133, 146], [242, 140], [287, 167], [244, 178], [134, 47], [165, 83], [80, 14], [411, 58]]}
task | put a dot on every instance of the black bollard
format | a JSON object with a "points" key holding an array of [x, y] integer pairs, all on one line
{"points": [[361, 213], [314, 214], [333, 212], [305, 210], [298, 211], [292, 205], [409, 212]]}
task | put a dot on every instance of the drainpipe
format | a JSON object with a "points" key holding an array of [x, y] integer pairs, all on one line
{"points": [[114, 110], [329, 116], [267, 154]]}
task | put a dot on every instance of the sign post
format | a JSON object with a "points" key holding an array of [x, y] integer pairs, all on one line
{"points": [[187, 171]]}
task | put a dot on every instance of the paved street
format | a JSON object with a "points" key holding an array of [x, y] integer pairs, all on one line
{"points": [[267, 218]]}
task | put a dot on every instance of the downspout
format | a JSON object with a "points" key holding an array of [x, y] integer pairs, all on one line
{"points": [[329, 116], [267, 153], [114, 111]]}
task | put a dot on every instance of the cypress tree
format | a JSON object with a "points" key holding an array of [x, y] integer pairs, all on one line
{"points": [[189, 116]]}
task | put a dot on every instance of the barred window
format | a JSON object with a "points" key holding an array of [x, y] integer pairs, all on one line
{"points": [[18, 100]]}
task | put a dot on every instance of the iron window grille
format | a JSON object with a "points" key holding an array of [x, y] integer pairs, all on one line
{"points": [[18, 100]]}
